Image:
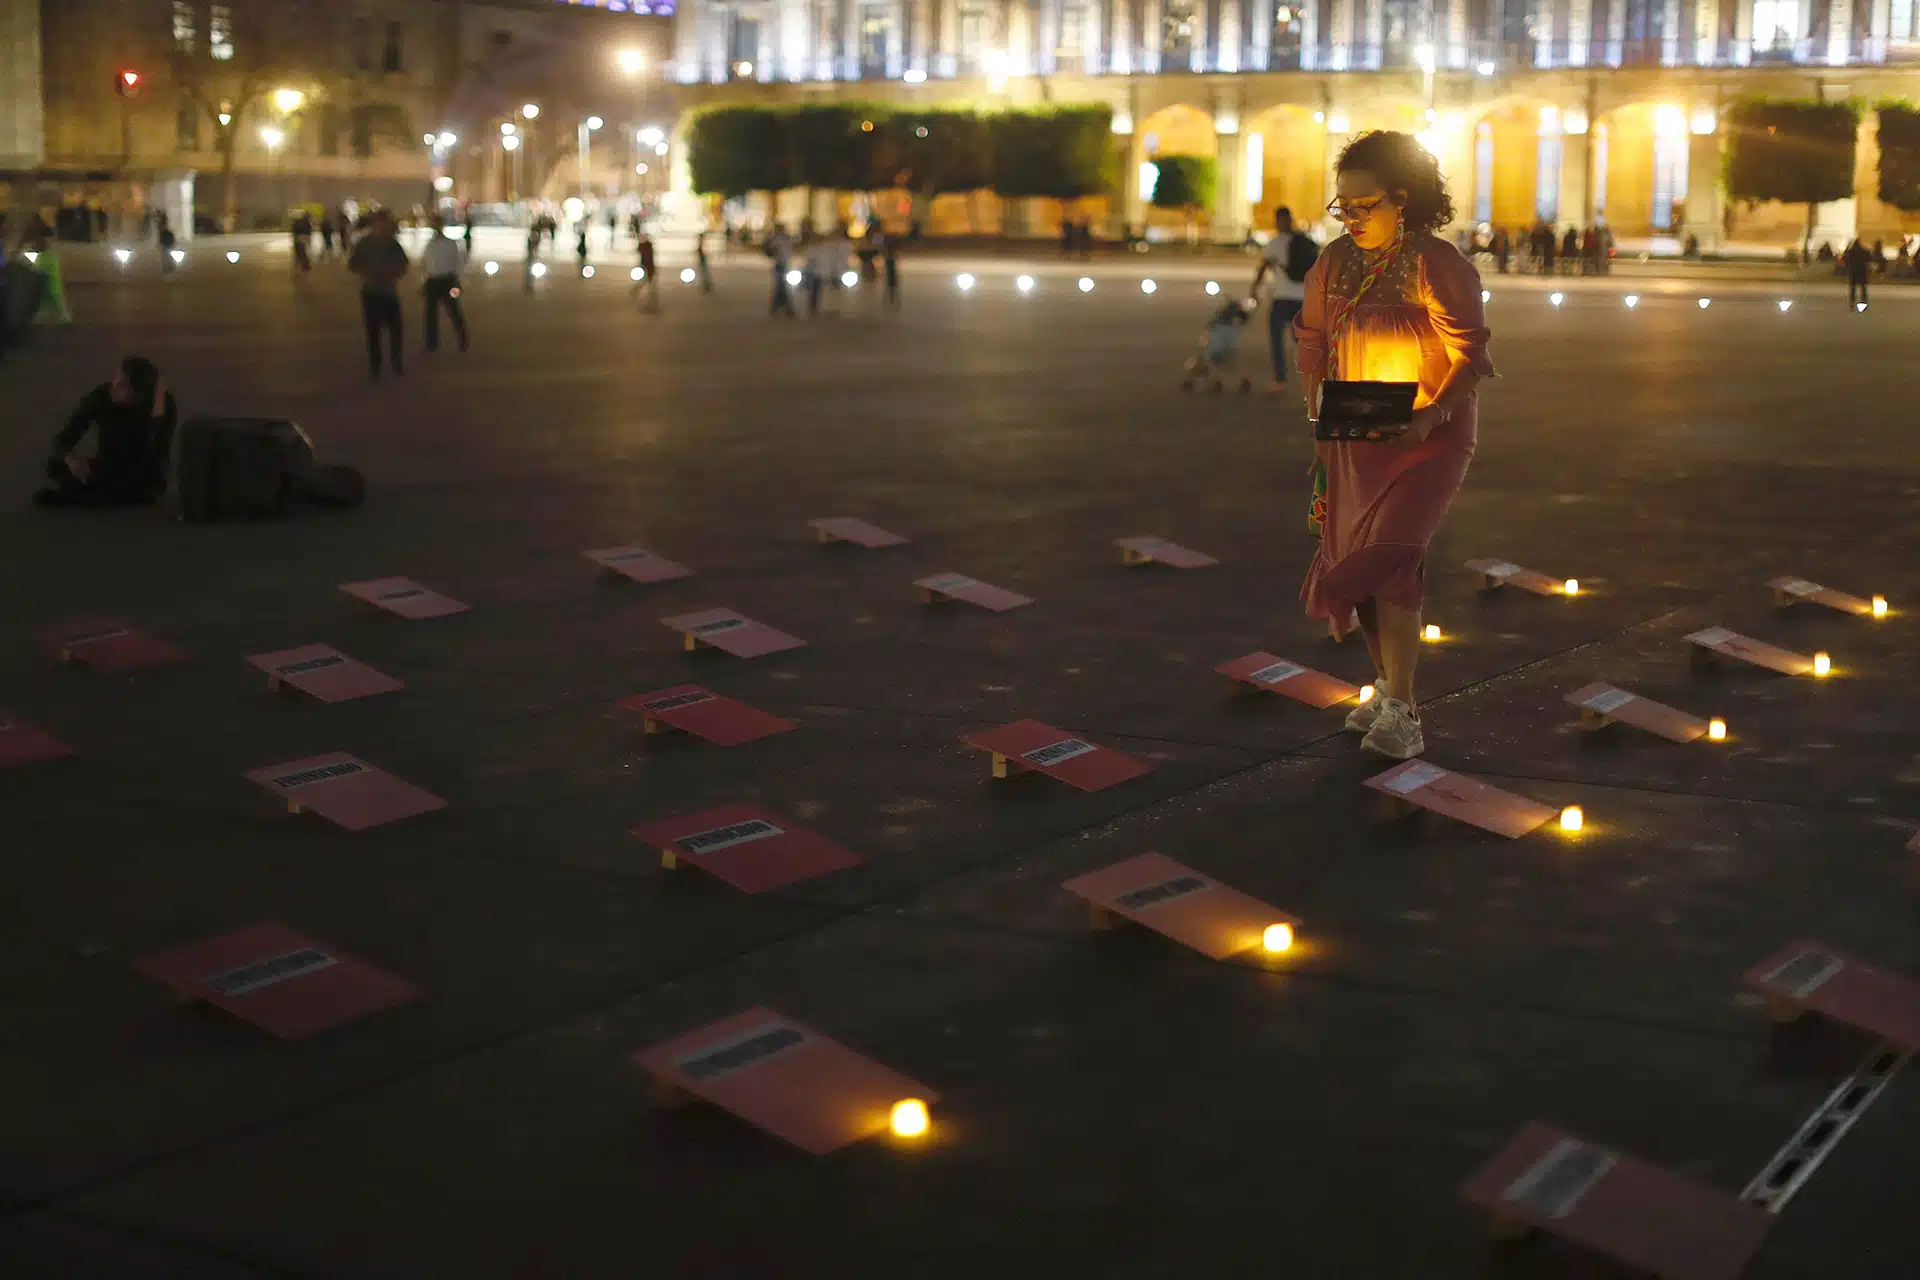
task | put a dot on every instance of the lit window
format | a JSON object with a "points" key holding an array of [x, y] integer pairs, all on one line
{"points": [[220, 32], [184, 33], [1776, 25]]}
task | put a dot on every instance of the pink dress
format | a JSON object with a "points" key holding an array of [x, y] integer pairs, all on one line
{"points": [[1384, 501]]}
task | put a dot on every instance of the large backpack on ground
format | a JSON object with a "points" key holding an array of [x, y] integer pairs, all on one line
{"points": [[236, 468]]}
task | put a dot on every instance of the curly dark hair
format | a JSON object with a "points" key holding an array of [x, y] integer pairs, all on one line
{"points": [[1407, 171]]}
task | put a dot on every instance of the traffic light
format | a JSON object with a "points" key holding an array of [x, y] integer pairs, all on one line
{"points": [[126, 82]]}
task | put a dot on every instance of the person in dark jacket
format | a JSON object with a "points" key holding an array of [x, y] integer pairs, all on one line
{"points": [[1287, 259], [380, 263], [132, 419]]}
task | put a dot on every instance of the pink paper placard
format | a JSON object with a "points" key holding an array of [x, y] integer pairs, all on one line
{"points": [[107, 645], [638, 564], [731, 632], [1173, 899], [405, 597], [1456, 796], [1605, 700], [1619, 1207], [856, 531], [957, 586], [751, 848], [785, 1078], [1795, 590], [1263, 670], [22, 743], [1160, 551], [346, 791], [324, 673], [1029, 744], [1812, 975], [1504, 573], [1731, 644], [281, 982], [705, 714]]}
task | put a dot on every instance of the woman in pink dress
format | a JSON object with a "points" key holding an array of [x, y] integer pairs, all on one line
{"points": [[1390, 302]]}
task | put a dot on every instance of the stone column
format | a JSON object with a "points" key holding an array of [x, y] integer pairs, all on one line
{"points": [[1706, 203], [848, 63], [1133, 205], [1576, 168], [1230, 189]]}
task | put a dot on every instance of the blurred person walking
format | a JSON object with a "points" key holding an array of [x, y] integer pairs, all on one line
{"points": [[381, 264], [1288, 257], [440, 263]]}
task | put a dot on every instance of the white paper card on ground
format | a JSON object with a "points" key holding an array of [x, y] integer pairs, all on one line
{"points": [[1414, 777], [1610, 701]]}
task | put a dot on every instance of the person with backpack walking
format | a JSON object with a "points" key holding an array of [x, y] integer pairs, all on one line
{"points": [[1289, 256]]}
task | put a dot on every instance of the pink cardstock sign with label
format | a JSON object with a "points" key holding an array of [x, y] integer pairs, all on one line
{"points": [[1601, 704], [22, 743], [405, 597], [1504, 573], [1175, 900], [731, 632], [1160, 551], [1288, 679], [785, 1078], [1791, 591], [347, 792], [705, 714], [750, 848], [281, 982], [1619, 1207], [324, 673], [958, 586], [1809, 975], [856, 531], [1719, 642], [638, 564], [1029, 744], [107, 645], [1456, 796]]}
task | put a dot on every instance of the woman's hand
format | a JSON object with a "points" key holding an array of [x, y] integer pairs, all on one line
{"points": [[1425, 421]]}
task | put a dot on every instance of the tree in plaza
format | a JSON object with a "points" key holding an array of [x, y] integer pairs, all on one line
{"points": [[253, 52], [735, 151], [1059, 152], [828, 149], [1185, 183], [941, 151], [1899, 134], [1796, 152]]}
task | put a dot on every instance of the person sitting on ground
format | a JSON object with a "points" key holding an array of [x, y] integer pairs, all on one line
{"points": [[133, 417]]}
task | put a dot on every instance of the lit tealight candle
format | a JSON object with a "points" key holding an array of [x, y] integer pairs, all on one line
{"points": [[1277, 938], [1366, 692], [1571, 819], [1822, 664], [1573, 586], [1717, 730], [1879, 606], [909, 1119], [1432, 632]]}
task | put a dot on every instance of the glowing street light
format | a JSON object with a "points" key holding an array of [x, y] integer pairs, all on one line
{"points": [[1571, 586], [446, 139], [272, 137], [539, 270], [511, 142], [640, 169], [848, 279], [124, 256], [1822, 664], [289, 100], [530, 111], [793, 278], [1705, 303], [594, 122], [636, 275], [652, 136], [586, 273], [1431, 632], [1879, 606], [225, 118], [507, 128], [630, 61], [1786, 304], [1485, 296], [178, 255], [659, 148]]}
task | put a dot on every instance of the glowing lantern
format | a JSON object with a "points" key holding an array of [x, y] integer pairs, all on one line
{"points": [[1571, 819], [1879, 606], [1573, 587], [1277, 938], [1717, 730], [1822, 664], [1432, 631], [909, 1119]]}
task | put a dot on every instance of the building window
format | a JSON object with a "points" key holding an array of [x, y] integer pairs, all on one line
{"points": [[743, 40], [184, 32], [977, 31], [1288, 23], [1076, 32], [186, 125], [1776, 26], [361, 44], [332, 127], [390, 60], [1177, 23], [220, 32]]}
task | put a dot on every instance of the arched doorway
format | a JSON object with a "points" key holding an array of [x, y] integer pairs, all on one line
{"points": [[1289, 147], [1178, 130]]}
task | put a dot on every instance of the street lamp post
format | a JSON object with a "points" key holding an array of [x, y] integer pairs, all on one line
{"points": [[587, 128]]}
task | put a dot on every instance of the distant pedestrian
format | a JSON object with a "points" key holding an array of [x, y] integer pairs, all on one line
{"points": [[440, 263], [649, 282], [1590, 252], [613, 227], [780, 253], [303, 242], [1570, 251], [1502, 248], [890, 262], [1086, 239], [166, 246], [580, 248], [381, 263], [326, 237], [700, 263], [533, 255], [53, 298], [466, 240], [345, 224], [1856, 261], [1288, 258], [823, 270]]}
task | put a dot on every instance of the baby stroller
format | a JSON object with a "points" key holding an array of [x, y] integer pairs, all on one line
{"points": [[1219, 353]]}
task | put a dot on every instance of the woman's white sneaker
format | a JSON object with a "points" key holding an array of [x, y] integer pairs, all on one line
{"points": [[1361, 718], [1395, 732]]}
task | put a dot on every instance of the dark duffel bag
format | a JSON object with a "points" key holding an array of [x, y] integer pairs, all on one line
{"points": [[331, 485], [236, 468]]}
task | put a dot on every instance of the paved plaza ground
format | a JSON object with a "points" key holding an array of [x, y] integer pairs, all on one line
{"points": [[1110, 1106]]}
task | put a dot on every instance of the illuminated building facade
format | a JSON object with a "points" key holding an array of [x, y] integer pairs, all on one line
{"points": [[1566, 111]]}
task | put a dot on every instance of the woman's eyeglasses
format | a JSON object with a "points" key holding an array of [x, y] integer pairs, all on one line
{"points": [[1354, 210]]}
